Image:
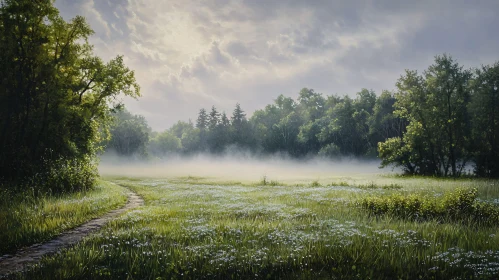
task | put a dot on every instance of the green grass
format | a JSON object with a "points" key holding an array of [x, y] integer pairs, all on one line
{"points": [[194, 230], [25, 220]]}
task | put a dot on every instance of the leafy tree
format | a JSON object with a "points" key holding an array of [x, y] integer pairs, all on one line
{"points": [[180, 127], [437, 138], [484, 111], [365, 101], [312, 104], [311, 108], [342, 129], [384, 124], [55, 96], [449, 95], [190, 140], [308, 136], [364, 109], [264, 122], [277, 126], [393, 151], [129, 134], [288, 129], [165, 143]]}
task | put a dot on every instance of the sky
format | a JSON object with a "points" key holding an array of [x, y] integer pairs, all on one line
{"points": [[193, 54]]}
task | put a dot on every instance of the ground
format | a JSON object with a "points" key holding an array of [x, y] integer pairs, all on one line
{"points": [[279, 226]]}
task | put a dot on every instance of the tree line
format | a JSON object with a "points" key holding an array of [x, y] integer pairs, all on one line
{"points": [[437, 123], [312, 125]]}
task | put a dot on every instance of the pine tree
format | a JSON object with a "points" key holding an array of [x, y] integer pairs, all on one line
{"points": [[202, 121], [214, 118]]}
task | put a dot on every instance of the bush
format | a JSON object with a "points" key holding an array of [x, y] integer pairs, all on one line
{"points": [[460, 205], [63, 176]]}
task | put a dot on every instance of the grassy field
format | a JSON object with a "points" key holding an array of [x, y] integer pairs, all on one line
{"points": [[208, 228], [25, 220]]}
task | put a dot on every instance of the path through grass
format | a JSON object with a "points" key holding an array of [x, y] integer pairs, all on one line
{"points": [[28, 220], [190, 230]]}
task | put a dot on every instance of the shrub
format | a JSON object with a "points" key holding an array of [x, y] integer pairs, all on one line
{"points": [[66, 175], [460, 205]]}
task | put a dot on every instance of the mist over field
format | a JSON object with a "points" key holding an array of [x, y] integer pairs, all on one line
{"points": [[182, 139], [242, 167]]}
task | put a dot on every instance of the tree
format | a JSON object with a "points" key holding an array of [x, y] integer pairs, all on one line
{"points": [[129, 134], [312, 104], [202, 125], [180, 127], [216, 140], [202, 121], [436, 140], [213, 119], [238, 117], [449, 95], [484, 111], [55, 95], [364, 108], [165, 143], [384, 124], [241, 132], [263, 122], [341, 129], [191, 141], [224, 121], [308, 135]]}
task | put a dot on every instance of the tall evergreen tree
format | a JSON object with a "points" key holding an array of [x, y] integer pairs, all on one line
{"points": [[238, 117], [202, 121], [214, 119]]}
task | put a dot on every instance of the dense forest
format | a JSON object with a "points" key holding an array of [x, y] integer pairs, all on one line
{"points": [[436, 123]]}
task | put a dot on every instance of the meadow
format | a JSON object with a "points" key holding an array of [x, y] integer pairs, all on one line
{"points": [[27, 218], [236, 227]]}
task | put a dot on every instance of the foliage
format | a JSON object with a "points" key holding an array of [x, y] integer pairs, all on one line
{"points": [[484, 111], [222, 231], [460, 205], [54, 94], [436, 123], [312, 125], [451, 116], [129, 134], [165, 143], [27, 218]]}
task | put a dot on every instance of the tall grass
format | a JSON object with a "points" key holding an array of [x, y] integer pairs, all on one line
{"points": [[27, 219], [219, 231]]}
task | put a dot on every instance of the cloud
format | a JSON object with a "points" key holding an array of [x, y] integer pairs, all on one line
{"points": [[193, 54]]}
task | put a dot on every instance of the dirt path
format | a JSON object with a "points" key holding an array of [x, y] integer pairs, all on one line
{"points": [[33, 254]]}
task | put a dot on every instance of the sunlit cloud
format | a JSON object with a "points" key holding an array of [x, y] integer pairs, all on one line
{"points": [[193, 54]]}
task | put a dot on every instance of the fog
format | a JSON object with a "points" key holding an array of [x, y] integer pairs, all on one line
{"points": [[242, 168]]}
